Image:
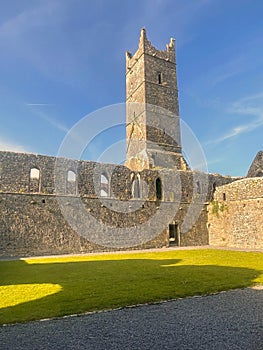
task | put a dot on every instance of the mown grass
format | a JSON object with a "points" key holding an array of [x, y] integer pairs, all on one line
{"points": [[39, 288]]}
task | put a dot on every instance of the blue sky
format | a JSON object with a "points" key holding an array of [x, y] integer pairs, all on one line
{"points": [[63, 59]]}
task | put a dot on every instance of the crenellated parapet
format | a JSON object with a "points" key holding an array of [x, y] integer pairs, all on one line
{"points": [[146, 47]]}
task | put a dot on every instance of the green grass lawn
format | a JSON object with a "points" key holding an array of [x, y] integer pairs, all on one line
{"points": [[39, 288]]}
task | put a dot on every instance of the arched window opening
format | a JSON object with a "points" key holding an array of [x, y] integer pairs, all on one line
{"points": [[104, 186], [158, 188], [34, 173], [136, 187], [71, 176], [34, 180], [71, 182]]}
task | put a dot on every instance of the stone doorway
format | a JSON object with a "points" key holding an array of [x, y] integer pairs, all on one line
{"points": [[173, 235]]}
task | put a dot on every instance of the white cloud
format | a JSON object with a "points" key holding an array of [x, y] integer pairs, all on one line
{"points": [[6, 145], [250, 106]]}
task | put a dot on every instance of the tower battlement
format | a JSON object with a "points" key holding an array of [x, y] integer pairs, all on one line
{"points": [[145, 46]]}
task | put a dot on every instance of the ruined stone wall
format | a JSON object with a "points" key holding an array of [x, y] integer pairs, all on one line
{"points": [[235, 216], [33, 211]]}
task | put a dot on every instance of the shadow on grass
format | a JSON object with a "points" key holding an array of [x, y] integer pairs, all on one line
{"points": [[104, 284]]}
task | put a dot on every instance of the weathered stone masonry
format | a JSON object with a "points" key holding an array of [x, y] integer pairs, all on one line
{"points": [[235, 216], [31, 222]]}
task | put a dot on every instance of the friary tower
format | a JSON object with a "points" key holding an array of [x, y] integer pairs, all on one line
{"points": [[152, 112]]}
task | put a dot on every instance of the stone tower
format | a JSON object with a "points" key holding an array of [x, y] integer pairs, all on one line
{"points": [[152, 112]]}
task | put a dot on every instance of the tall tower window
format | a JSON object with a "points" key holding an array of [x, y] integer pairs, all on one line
{"points": [[160, 80], [158, 188]]}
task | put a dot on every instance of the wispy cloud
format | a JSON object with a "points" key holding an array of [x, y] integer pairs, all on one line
{"points": [[43, 115], [53, 122], [251, 106], [229, 69], [38, 104]]}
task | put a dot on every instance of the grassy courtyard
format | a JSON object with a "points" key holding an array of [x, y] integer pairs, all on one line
{"points": [[39, 288]]}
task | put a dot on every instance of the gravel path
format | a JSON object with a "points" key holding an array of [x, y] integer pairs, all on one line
{"points": [[230, 320]]}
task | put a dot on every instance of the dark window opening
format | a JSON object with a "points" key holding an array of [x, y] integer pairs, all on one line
{"points": [[159, 78], [43, 201], [214, 187], [158, 185], [224, 197]]}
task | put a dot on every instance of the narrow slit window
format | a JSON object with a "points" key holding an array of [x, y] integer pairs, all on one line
{"points": [[158, 188], [159, 78], [198, 187], [136, 187]]}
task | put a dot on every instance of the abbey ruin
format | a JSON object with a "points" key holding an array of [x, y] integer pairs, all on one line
{"points": [[53, 205]]}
